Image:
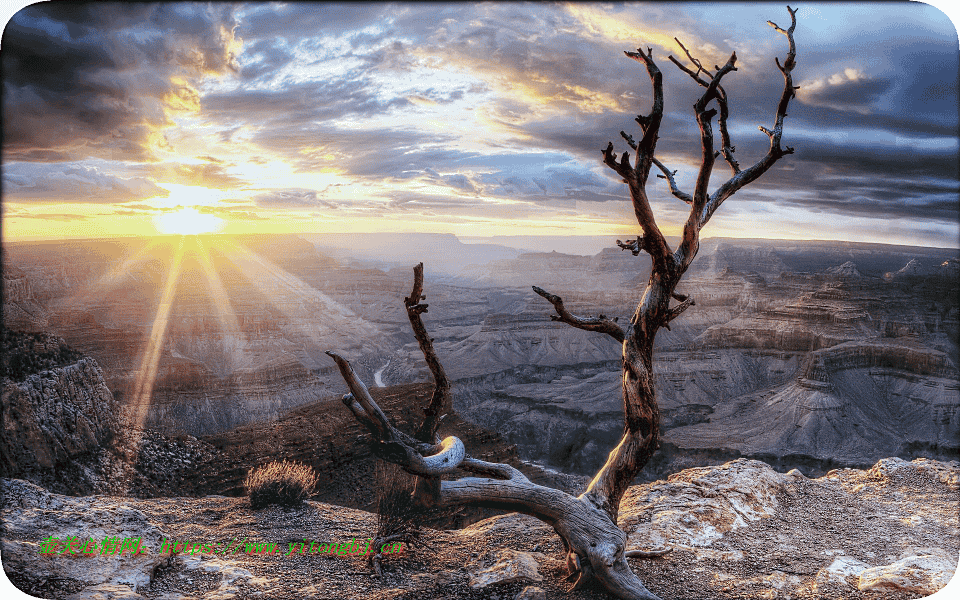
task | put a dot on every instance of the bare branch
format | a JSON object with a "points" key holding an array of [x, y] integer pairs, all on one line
{"points": [[440, 403], [726, 146], [668, 175], [775, 152], [634, 246], [651, 130], [691, 230], [599, 324], [675, 312], [610, 159], [696, 63], [650, 125]]}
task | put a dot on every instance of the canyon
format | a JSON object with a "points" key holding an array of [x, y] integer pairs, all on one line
{"points": [[811, 355]]}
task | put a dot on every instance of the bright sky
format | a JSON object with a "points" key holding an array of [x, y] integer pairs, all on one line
{"points": [[473, 119]]}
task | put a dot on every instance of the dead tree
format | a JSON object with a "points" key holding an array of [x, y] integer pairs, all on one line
{"points": [[587, 524]]}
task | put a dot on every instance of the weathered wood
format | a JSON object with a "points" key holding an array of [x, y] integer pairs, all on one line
{"points": [[440, 402]]}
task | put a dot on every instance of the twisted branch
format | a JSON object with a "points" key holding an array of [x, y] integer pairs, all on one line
{"points": [[636, 177], [600, 323], [391, 444], [675, 312]]}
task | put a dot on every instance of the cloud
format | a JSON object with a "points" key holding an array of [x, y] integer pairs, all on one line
{"points": [[209, 174], [265, 57], [71, 182], [231, 212], [295, 21], [291, 198], [89, 80], [52, 216], [295, 103], [846, 90], [496, 108]]}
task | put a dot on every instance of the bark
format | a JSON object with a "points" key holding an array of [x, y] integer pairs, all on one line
{"points": [[587, 524]]}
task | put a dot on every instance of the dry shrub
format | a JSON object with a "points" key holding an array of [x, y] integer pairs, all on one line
{"points": [[399, 516], [397, 512], [284, 483]]}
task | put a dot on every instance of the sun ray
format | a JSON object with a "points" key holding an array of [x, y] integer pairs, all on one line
{"points": [[293, 297], [234, 340], [147, 373], [114, 277]]}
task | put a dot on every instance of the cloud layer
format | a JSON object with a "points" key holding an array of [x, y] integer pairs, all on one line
{"points": [[462, 113]]}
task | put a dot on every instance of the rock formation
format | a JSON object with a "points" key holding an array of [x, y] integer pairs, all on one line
{"points": [[21, 310], [58, 415], [764, 312]]}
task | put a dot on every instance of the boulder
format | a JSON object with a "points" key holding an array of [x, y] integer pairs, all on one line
{"points": [[531, 592], [695, 507], [844, 571], [923, 573], [510, 566]]}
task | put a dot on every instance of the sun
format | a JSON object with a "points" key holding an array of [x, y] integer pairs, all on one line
{"points": [[187, 221]]}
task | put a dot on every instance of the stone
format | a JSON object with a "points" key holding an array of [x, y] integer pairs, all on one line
{"points": [[843, 571], [510, 566], [925, 573], [31, 514], [230, 575], [695, 507], [106, 591], [445, 578], [531, 592]]}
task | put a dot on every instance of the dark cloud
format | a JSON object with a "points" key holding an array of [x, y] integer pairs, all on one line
{"points": [[265, 57], [869, 203], [294, 105], [845, 91], [66, 182], [298, 20], [97, 79], [457, 181]]}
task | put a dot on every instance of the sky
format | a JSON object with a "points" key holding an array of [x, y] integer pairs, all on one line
{"points": [[473, 119]]}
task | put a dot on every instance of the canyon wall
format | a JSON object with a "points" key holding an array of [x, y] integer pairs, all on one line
{"points": [[819, 336]]}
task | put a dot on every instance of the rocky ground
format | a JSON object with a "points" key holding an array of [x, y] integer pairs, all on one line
{"points": [[740, 530]]}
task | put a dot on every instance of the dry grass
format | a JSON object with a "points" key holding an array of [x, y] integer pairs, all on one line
{"points": [[283, 482]]}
